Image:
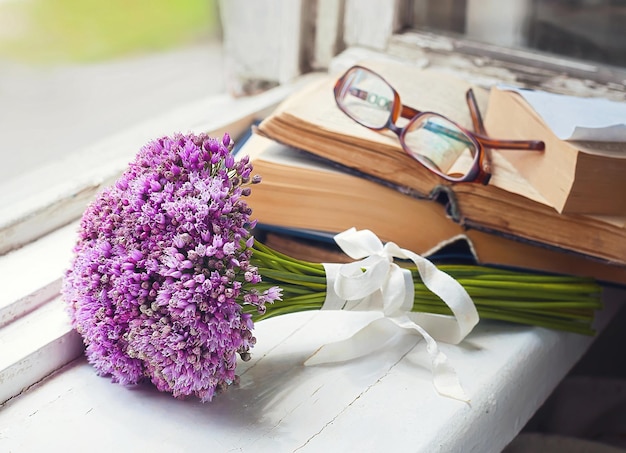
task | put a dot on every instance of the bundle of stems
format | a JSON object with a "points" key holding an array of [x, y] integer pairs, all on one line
{"points": [[558, 302]]}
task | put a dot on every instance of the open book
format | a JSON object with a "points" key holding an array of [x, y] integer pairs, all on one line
{"points": [[508, 206], [300, 191], [585, 175]]}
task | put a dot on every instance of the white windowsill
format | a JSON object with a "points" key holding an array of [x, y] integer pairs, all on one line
{"points": [[383, 401], [35, 336]]}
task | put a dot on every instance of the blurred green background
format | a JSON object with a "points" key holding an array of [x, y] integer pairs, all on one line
{"points": [[61, 31]]}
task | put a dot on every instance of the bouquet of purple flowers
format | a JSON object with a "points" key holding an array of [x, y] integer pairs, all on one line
{"points": [[162, 269], [166, 280]]}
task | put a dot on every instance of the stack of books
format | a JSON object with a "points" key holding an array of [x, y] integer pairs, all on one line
{"points": [[323, 173]]}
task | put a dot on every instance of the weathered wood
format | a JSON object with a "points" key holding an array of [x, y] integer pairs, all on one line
{"points": [[489, 64], [36, 337], [329, 18], [263, 42], [371, 23]]}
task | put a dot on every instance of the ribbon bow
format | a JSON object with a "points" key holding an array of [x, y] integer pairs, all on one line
{"points": [[377, 283]]}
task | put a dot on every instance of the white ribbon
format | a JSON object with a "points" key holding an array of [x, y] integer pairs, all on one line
{"points": [[377, 283]]}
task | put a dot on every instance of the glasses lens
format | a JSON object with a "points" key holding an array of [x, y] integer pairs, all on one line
{"points": [[440, 145], [366, 98]]}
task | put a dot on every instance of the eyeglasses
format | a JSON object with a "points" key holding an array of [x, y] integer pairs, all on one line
{"points": [[435, 141]]}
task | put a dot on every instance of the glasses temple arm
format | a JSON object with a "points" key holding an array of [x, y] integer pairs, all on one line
{"points": [[477, 118], [481, 132], [520, 145]]}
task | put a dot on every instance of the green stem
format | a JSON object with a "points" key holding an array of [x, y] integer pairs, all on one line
{"points": [[553, 301]]}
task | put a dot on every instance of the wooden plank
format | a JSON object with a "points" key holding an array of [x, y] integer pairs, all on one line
{"points": [[262, 42], [370, 23], [35, 346], [489, 64], [36, 337], [329, 20], [32, 274]]}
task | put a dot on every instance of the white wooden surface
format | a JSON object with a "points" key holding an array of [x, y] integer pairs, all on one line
{"points": [[263, 41], [370, 23], [328, 32], [385, 401], [36, 338], [273, 41]]}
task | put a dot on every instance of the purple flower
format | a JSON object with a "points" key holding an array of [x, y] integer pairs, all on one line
{"points": [[162, 269]]}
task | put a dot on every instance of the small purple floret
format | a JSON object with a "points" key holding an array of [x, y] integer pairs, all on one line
{"points": [[155, 286]]}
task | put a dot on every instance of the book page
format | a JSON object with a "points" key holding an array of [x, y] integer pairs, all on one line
{"points": [[259, 147], [505, 176], [316, 105], [576, 118]]}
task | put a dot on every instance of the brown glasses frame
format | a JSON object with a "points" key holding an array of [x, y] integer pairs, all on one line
{"points": [[481, 166]]}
